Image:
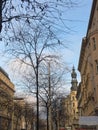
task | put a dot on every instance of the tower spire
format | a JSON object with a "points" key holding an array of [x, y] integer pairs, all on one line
{"points": [[74, 80]]}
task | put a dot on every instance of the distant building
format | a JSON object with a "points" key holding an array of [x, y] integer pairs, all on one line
{"points": [[15, 112], [71, 104]]}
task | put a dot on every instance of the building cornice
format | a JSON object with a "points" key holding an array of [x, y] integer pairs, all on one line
{"points": [[5, 80], [82, 53], [84, 41], [3, 71], [91, 15]]}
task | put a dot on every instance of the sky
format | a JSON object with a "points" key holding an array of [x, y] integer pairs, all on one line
{"points": [[81, 15], [80, 18]]}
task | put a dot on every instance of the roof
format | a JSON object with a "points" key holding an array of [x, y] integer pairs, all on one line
{"points": [[3, 71]]}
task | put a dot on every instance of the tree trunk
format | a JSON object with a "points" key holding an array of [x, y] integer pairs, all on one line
{"points": [[49, 98], [37, 96], [47, 118], [0, 15]]}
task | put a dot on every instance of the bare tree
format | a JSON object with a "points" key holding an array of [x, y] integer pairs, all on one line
{"points": [[18, 113], [51, 83], [30, 116], [6, 105], [58, 112], [33, 37], [31, 11], [32, 46]]}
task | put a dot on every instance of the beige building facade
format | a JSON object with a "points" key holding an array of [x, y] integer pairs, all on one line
{"points": [[6, 100], [88, 67], [71, 109], [15, 113], [87, 93]]}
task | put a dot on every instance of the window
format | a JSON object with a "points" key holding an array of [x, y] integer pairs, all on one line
{"points": [[74, 111], [73, 104], [94, 43], [88, 44], [73, 98], [96, 63]]}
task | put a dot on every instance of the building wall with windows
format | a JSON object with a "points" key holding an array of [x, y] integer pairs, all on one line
{"points": [[6, 100], [71, 109], [15, 112], [24, 116], [88, 67]]}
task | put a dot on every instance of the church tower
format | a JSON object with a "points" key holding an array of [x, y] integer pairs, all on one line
{"points": [[74, 80], [73, 101]]}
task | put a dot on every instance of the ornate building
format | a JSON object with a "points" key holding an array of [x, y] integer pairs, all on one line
{"points": [[87, 93], [71, 104], [88, 67]]}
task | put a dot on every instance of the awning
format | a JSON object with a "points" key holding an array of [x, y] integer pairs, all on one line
{"points": [[88, 120]]}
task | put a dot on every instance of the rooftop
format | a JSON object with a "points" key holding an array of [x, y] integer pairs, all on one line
{"points": [[3, 71]]}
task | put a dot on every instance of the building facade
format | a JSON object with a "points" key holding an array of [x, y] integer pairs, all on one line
{"points": [[87, 93], [6, 100], [88, 67], [15, 112], [71, 104]]}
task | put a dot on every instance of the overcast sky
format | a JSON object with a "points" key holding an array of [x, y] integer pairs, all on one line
{"points": [[79, 24]]}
